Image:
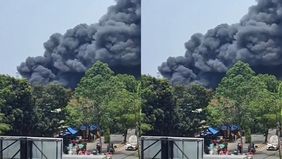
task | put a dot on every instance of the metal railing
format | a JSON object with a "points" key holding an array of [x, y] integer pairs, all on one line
{"points": [[19, 147], [160, 147]]}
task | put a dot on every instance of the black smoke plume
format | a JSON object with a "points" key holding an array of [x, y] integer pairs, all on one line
{"points": [[257, 40], [115, 40]]}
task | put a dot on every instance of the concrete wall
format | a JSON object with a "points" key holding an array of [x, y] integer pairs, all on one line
{"points": [[225, 157]]}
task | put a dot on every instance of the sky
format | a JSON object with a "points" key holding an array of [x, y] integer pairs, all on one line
{"points": [[168, 24], [26, 24]]}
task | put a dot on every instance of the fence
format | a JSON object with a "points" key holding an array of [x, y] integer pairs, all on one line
{"points": [[160, 147], [20, 147]]}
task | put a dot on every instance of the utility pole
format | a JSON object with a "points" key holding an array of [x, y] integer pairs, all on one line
{"points": [[139, 110], [278, 125], [279, 135], [280, 95]]}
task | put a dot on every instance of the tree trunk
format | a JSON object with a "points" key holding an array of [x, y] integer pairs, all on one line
{"points": [[266, 135], [89, 135], [125, 136]]}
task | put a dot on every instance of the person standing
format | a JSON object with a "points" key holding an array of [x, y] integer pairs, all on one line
{"points": [[239, 148], [98, 147]]}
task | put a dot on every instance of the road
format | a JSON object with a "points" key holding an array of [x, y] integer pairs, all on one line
{"points": [[120, 153], [125, 155], [262, 153], [266, 155]]}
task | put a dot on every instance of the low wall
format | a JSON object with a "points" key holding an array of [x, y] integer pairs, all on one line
{"points": [[225, 157], [84, 156]]}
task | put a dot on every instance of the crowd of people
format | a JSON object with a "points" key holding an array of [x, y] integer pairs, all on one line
{"points": [[220, 147], [77, 147]]}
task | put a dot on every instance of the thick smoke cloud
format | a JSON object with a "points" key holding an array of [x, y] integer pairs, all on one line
{"points": [[115, 40], [257, 40]]}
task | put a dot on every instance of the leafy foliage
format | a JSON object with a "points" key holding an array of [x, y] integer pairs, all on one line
{"points": [[158, 106], [16, 106], [106, 99], [250, 99], [173, 110], [50, 102], [191, 103]]}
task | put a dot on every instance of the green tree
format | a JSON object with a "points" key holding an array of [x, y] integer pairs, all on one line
{"points": [[158, 106], [263, 108], [220, 110], [121, 111], [271, 82], [16, 106], [250, 98], [50, 107], [111, 99], [80, 111], [191, 104], [236, 87], [4, 127], [94, 86]]}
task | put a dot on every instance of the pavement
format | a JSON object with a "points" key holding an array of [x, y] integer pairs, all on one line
{"points": [[120, 152], [126, 155], [261, 152]]}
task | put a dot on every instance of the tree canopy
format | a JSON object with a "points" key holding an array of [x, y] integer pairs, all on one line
{"points": [[250, 98], [173, 110], [157, 106], [191, 108], [106, 99], [16, 106], [50, 108]]}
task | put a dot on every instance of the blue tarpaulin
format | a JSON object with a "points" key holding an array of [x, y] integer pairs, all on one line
{"points": [[71, 131], [83, 127], [210, 132], [230, 127], [206, 133], [234, 127], [91, 127], [67, 133], [214, 131], [224, 127]]}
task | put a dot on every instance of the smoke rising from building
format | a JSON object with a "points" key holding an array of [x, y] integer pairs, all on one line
{"points": [[115, 40], [256, 39]]}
